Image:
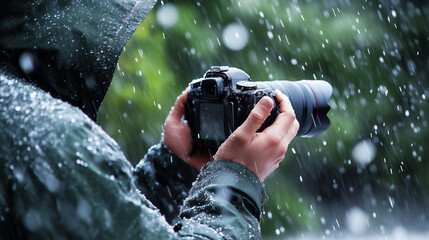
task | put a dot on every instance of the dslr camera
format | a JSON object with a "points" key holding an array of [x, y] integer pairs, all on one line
{"points": [[220, 101]]}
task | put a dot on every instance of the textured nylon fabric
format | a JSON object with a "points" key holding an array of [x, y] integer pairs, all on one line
{"points": [[68, 48]]}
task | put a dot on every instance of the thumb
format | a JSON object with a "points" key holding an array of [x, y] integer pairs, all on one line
{"points": [[257, 116]]}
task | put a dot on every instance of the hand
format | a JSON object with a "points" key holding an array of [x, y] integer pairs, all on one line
{"points": [[177, 135], [262, 152]]}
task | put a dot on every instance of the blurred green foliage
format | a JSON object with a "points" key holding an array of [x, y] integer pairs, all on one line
{"points": [[374, 53]]}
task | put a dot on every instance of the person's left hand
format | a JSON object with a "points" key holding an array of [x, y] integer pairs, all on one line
{"points": [[177, 135]]}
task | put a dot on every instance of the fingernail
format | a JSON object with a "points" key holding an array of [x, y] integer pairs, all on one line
{"points": [[265, 103]]}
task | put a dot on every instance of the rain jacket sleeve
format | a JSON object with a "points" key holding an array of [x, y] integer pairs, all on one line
{"points": [[165, 180], [62, 177], [224, 203]]}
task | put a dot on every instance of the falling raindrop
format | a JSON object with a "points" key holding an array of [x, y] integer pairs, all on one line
{"points": [[26, 61], [356, 220], [363, 153], [167, 15], [235, 36]]}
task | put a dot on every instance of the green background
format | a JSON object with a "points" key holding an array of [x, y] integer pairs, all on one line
{"points": [[374, 54]]}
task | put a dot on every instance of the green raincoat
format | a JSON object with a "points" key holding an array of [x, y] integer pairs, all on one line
{"points": [[61, 175]]}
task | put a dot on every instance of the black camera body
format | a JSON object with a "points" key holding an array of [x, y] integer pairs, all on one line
{"points": [[221, 101]]}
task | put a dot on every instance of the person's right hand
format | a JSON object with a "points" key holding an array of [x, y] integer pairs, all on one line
{"points": [[262, 152]]}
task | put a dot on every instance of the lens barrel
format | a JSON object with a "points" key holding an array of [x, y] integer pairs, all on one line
{"points": [[309, 100]]}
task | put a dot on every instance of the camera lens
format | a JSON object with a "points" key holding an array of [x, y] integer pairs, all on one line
{"points": [[310, 102]]}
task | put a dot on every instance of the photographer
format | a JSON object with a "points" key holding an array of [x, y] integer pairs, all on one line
{"points": [[62, 176]]}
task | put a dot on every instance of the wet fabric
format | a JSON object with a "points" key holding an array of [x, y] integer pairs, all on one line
{"points": [[165, 180], [68, 48], [62, 176]]}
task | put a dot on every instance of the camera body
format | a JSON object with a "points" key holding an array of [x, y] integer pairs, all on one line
{"points": [[220, 102]]}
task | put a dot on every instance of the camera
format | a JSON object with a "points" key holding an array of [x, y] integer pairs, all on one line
{"points": [[220, 101]]}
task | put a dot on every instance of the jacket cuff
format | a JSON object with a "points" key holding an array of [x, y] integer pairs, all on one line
{"points": [[160, 156], [178, 164], [225, 173], [162, 175]]}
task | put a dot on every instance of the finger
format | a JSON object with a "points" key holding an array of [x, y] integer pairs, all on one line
{"points": [[179, 107], [257, 116], [281, 126], [285, 104], [284, 120]]}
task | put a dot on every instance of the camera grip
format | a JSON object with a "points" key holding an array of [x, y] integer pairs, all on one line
{"points": [[259, 94]]}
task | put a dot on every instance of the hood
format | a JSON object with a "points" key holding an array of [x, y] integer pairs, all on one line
{"points": [[68, 48]]}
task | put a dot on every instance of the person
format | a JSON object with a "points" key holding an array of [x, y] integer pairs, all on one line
{"points": [[62, 176]]}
